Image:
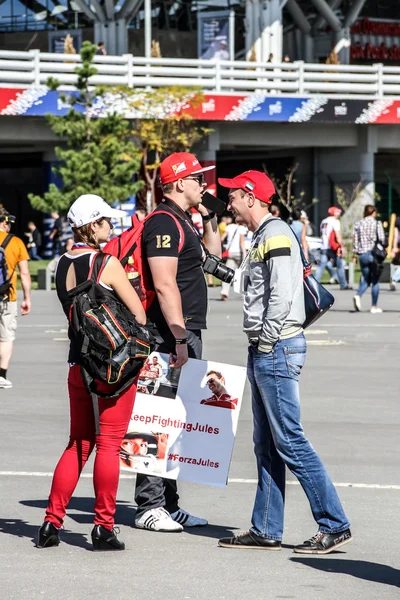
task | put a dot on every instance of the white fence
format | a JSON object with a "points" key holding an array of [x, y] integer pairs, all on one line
{"points": [[23, 69]]}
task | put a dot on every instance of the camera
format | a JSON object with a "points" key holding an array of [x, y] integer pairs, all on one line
{"points": [[214, 266]]}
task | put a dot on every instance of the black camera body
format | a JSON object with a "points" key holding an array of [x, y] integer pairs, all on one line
{"points": [[214, 266]]}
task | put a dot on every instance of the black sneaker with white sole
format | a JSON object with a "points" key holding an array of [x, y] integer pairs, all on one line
{"points": [[323, 543], [250, 540]]}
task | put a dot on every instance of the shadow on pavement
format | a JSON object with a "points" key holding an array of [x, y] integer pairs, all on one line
{"points": [[21, 528], [211, 531], [357, 568], [125, 514]]}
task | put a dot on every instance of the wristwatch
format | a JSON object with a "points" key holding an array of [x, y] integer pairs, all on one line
{"points": [[208, 217]]}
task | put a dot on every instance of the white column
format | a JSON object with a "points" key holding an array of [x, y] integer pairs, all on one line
{"points": [[249, 28], [264, 29], [147, 28]]}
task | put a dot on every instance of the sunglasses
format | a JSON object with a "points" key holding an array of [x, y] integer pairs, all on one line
{"points": [[7, 219], [198, 178]]}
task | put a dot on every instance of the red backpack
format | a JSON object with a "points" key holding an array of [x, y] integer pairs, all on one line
{"points": [[128, 248], [333, 243]]}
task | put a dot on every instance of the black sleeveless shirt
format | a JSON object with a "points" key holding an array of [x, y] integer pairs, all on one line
{"points": [[82, 265]]}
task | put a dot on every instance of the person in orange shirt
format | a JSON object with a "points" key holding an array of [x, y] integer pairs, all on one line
{"points": [[220, 397], [15, 254]]}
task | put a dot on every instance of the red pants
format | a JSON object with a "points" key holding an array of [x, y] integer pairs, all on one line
{"points": [[114, 420]]}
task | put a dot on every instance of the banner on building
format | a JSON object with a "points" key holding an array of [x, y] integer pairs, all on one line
{"points": [[184, 421], [38, 101], [215, 31]]}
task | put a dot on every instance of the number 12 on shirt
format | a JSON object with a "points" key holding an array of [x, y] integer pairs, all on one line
{"points": [[163, 241]]}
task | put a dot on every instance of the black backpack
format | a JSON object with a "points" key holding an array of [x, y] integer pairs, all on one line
{"points": [[5, 280], [112, 345]]}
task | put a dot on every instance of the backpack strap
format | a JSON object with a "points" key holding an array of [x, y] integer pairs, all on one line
{"points": [[124, 259], [177, 223], [7, 240], [97, 266]]}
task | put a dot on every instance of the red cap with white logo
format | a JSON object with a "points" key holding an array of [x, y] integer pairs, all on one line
{"points": [[257, 182], [334, 211], [180, 165]]}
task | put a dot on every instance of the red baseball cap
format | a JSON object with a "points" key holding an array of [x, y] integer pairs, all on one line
{"points": [[334, 211], [180, 165], [252, 181]]}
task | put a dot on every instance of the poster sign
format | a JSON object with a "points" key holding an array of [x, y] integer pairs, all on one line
{"points": [[184, 421], [216, 32], [57, 39]]}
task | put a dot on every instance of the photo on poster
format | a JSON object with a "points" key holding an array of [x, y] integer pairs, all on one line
{"points": [[215, 35], [218, 393], [144, 451], [157, 378]]}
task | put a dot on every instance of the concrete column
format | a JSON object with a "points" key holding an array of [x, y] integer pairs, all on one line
{"points": [[264, 29], [249, 28], [344, 52], [308, 42], [114, 35]]}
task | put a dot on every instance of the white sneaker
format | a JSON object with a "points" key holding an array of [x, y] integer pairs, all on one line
{"points": [[188, 520], [5, 383], [392, 286], [158, 519], [357, 303], [375, 310], [333, 280]]}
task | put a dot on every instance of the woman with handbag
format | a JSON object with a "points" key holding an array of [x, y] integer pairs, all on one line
{"points": [[90, 217], [369, 247]]}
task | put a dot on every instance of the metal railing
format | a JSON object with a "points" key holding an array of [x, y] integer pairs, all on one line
{"points": [[24, 69]]}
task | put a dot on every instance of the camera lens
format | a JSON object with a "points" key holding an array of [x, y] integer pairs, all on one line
{"points": [[224, 273]]}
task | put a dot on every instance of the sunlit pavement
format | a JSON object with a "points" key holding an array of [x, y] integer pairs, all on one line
{"points": [[350, 412]]}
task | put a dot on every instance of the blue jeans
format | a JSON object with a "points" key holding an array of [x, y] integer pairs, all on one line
{"points": [[369, 277], [325, 263], [279, 440], [33, 253]]}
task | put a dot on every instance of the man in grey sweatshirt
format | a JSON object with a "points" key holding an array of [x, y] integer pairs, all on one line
{"points": [[271, 280]]}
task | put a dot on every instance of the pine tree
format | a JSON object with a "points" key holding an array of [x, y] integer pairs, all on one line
{"points": [[98, 155]]}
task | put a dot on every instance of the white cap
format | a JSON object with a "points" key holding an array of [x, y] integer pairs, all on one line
{"points": [[89, 208]]}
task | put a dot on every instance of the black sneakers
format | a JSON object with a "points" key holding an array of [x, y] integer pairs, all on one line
{"points": [[250, 540], [323, 543]]}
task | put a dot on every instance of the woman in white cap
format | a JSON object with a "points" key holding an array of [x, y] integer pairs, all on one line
{"points": [[90, 217]]}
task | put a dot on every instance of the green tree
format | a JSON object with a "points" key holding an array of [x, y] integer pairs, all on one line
{"points": [[163, 124], [97, 155]]}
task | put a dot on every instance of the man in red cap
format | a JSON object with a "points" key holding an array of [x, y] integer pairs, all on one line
{"points": [[173, 248], [332, 249], [271, 279]]}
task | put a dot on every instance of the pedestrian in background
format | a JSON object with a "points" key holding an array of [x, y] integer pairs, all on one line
{"points": [[274, 312], [13, 255], [275, 211], [101, 49], [333, 250], [300, 229], [365, 235], [56, 234], [34, 241], [232, 240], [394, 253]]}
